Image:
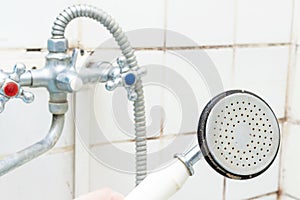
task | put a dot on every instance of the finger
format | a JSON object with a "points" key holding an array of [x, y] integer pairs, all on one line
{"points": [[105, 193], [117, 196]]}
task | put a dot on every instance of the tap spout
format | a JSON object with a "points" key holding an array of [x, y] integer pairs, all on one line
{"points": [[17, 159]]}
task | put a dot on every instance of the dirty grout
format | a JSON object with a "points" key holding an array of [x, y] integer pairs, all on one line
{"points": [[168, 136], [291, 63], [262, 195], [163, 48]]}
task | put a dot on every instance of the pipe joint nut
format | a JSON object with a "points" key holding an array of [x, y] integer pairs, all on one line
{"points": [[58, 108], [57, 45]]}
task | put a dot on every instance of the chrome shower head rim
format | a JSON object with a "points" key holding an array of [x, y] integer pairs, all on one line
{"points": [[209, 154]]}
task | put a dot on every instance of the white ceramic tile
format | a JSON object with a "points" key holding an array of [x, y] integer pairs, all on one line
{"points": [[296, 27], [130, 15], [263, 184], [190, 79], [31, 59], [293, 107], [81, 169], [263, 71], [284, 197], [28, 24], [222, 59], [48, 177], [102, 176], [263, 21], [291, 163], [205, 22]]}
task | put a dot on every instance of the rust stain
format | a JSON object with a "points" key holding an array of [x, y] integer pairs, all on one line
{"points": [[161, 130]]}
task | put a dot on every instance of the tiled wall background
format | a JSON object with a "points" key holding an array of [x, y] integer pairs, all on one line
{"points": [[254, 44]]}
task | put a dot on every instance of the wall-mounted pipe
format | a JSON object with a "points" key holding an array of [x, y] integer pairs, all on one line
{"points": [[19, 158]]}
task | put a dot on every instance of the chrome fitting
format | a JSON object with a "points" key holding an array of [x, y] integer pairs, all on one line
{"points": [[58, 103], [57, 45], [122, 75], [10, 86], [190, 158], [58, 108]]}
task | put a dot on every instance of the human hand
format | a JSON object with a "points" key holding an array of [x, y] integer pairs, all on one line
{"points": [[103, 194]]}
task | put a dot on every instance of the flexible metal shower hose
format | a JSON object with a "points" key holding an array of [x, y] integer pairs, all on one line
{"points": [[58, 31]]}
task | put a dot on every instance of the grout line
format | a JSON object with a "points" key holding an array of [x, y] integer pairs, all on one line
{"points": [[262, 195], [224, 188], [281, 170], [61, 149], [293, 121], [234, 46], [164, 60], [169, 136], [164, 136], [225, 46], [73, 104], [154, 48], [161, 129], [291, 61], [282, 120]]}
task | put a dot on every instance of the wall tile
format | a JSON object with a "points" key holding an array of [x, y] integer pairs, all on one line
{"points": [[284, 197], [191, 80], [48, 177], [28, 25], [293, 107], [291, 177], [205, 22], [131, 15], [263, 71], [263, 21], [104, 176], [223, 59], [295, 25]]}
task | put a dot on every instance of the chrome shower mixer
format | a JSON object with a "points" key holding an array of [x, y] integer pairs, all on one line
{"points": [[59, 77]]}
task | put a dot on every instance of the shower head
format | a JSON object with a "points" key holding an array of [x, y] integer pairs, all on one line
{"points": [[238, 134], [239, 137]]}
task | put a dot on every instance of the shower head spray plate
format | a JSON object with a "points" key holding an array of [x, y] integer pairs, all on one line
{"points": [[238, 134]]}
